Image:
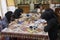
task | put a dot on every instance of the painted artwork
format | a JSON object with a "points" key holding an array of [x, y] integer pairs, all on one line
{"points": [[29, 1]]}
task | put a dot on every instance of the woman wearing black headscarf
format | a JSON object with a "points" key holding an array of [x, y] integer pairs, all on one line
{"points": [[7, 19], [52, 24], [17, 13], [8, 16]]}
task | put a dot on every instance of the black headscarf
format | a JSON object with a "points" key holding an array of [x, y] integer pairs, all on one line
{"points": [[18, 12], [48, 14], [8, 16]]}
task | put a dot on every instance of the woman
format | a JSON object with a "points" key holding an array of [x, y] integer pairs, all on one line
{"points": [[7, 19], [52, 24]]}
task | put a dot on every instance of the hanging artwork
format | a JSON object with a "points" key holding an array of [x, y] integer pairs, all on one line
{"points": [[29, 1]]}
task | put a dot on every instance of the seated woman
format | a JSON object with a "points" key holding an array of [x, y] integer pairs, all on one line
{"points": [[7, 19]]}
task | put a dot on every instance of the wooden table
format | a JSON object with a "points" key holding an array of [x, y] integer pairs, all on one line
{"points": [[24, 36]]}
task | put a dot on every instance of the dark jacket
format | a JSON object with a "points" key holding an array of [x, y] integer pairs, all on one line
{"points": [[52, 25]]}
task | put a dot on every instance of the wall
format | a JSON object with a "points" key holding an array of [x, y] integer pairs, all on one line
{"points": [[10, 5], [0, 9], [3, 6]]}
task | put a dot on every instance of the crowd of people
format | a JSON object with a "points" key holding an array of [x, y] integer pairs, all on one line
{"points": [[48, 14]]}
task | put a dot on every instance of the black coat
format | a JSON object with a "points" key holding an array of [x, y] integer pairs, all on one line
{"points": [[52, 24]]}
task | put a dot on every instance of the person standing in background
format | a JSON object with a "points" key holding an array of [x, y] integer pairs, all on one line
{"points": [[37, 7]]}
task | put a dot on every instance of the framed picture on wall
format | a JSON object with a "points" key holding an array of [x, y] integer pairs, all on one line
{"points": [[55, 1]]}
